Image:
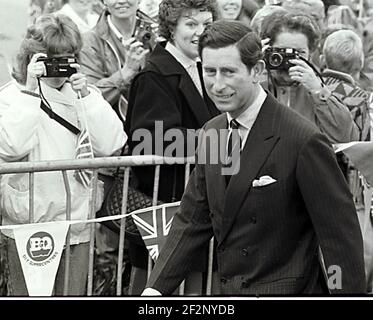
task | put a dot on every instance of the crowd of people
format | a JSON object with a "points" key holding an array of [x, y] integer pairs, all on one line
{"points": [[293, 78]]}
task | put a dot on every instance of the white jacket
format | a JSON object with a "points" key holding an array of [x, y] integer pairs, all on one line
{"points": [[27, 131]]}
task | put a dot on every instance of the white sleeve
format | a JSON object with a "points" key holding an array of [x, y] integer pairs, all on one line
{"points": [[19, 123], [105, 128]]}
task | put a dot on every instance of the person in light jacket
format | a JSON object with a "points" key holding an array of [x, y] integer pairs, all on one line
{"points": [[29, 134]]}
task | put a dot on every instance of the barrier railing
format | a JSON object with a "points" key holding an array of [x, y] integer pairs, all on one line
{"points": [[96, 164]]}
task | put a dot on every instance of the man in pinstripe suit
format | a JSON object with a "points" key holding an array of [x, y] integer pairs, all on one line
{"points": [[287, 203]]}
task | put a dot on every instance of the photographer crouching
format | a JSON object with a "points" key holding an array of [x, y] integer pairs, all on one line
{"points": [[289, 40], [45, 122]]}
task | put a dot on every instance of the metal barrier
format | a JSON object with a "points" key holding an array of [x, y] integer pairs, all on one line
{"points": [[125, 162]]}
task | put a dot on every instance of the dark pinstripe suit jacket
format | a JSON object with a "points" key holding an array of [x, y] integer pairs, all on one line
{"points": [[268, 236]]}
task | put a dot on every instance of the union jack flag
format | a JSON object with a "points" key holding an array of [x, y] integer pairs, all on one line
{"points": [[84, 150], [154, 224]]}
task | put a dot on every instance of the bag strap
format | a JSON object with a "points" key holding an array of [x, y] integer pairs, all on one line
{"points": [[51, 114]]}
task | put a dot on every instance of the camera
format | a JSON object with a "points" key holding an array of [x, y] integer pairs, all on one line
{"points": [[278, 58], [144, 33], [58, 67]]}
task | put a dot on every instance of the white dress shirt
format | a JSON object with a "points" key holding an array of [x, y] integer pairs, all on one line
{"points": [[247, 118]]}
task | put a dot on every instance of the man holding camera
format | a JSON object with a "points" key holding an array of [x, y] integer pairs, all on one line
{"points": [[114, 51], [288, 202], [295, 82]]}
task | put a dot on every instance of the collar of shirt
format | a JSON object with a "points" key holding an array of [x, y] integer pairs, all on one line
{"points": [[248, 117], [189, 65], [115, 29], [339, 75]]}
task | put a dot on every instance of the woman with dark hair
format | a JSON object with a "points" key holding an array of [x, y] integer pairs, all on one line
{"points": [[170, 93], [298, 86], [32, 134]]}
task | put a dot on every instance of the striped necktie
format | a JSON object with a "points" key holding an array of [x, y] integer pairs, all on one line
{"points": [[234, 145]]}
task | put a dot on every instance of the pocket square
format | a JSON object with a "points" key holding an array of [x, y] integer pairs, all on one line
{"points": [[263, 181]]}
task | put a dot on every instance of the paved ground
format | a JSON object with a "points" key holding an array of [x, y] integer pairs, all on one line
{"points": [[13, 21]]}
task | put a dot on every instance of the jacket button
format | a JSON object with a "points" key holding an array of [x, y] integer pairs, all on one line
{"points": [[253, 220], [223, 280], [211, 215], [245, 252]]}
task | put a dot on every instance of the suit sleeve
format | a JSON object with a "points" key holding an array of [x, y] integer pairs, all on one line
{"points": [[332, 211], [191, 230]]}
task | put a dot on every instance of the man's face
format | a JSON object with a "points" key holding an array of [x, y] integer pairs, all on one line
{"points": [[122, 9], [188, 30], [229, 9], [296, 40], [228, 81]]}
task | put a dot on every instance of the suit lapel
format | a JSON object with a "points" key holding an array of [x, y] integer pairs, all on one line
{"points": [[259, 144]]}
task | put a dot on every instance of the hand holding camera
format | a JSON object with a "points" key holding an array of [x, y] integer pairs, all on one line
{"points": [[135, 56], [35, 69], [303, 73], [55, 67], [79, 81], [289, 60]]}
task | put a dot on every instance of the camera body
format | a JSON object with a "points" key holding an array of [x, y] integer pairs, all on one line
{"points": [[58, 67], [144, 34], [278, 58]]}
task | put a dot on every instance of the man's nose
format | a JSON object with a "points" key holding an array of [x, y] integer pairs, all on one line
{"points": [[218, 84]]}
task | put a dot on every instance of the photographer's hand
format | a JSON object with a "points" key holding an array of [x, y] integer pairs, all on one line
{"points": [[304, 74], [79, 81], [135, 57], [35, 69]]}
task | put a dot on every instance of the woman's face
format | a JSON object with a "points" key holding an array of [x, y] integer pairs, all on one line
{"points": [[122, 9], [55, 83], [81, 5], [188, 30], [290, 39], [229, 9]]}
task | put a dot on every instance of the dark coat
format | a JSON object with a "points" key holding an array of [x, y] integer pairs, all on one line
{"points": [[164, 91], [268, 237]]}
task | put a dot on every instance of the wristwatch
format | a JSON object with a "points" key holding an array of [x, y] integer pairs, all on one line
{"points": [[322, 94]]}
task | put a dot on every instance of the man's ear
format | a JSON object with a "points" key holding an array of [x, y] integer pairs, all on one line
{"points": [[257, 71]]}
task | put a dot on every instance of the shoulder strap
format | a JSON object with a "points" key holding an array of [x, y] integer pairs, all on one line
{"points": [[69, 126]]}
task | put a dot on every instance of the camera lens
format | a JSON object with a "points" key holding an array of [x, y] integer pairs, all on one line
{"points": [[275, 59], [147, 36]]}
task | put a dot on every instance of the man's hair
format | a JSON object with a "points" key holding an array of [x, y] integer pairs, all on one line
{"points": [[291, 23], [222, 34], [343, 50], [51, 34], [170, 12]]}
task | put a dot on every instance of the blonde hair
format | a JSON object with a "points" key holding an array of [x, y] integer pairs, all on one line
{"points": [[343, 51]]}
